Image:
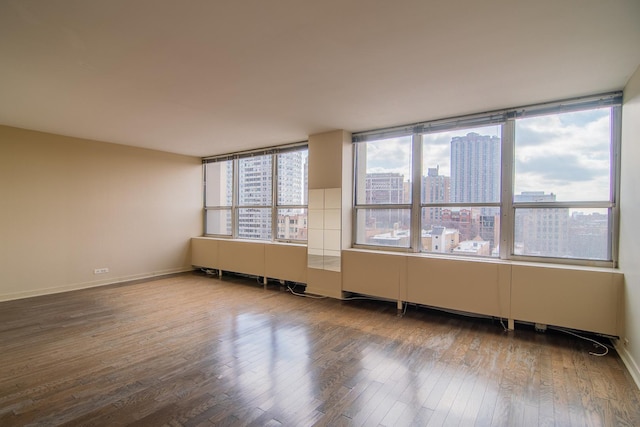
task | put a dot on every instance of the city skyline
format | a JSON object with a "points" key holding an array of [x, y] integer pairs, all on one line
{"points": [[464, 166]]}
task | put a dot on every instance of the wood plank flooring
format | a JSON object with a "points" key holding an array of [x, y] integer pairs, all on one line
{"points": [[198, 351]]}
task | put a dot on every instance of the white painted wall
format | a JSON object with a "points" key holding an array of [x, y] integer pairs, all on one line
{"points": [[630, 224]]}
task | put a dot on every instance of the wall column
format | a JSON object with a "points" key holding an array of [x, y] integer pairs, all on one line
{"points": [[330, 207]]}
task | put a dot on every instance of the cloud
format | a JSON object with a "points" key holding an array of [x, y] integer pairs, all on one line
{"points": [[567, 154], [557, 168], [389, 155]]}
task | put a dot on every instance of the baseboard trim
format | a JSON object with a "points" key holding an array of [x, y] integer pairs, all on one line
{"points": [[629, 362], [93, 284]]}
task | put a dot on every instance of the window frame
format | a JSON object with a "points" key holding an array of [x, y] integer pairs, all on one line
{"points": [[384, 206], [506, 119], [236, 207]]}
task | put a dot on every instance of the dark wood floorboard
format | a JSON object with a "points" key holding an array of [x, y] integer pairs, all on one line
{"points": [[191, 350]]}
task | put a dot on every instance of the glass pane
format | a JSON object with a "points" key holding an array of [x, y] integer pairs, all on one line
{"points": [[383, 227], [219, 189], [562, 233], [254, 181], [254, 223], [461, 230], [383, 171], [293, 171], [462, 166], [565, 157], [292, 224], [218, 222]]}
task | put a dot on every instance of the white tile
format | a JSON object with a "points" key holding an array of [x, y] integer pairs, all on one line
{"points": [[316, 199], [332, 198], [315, 239], [332, 219], [316, 219], [332, 240]]}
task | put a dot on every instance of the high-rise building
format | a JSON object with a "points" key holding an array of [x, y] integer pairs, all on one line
{"points": [[475, 168], [291, 178], [386, 188], [436, 188], [541, 231], [475, 178], [292, 181], [254, 196], [255, 193]]}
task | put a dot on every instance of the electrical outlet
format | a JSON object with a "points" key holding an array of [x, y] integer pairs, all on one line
{"points": [[626, 342], [101, 270]]}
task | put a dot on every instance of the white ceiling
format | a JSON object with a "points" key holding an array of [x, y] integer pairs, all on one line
{"points": [[205, 77]]}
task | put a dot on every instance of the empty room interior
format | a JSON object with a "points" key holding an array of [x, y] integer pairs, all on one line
{"points": [[320, 213]]}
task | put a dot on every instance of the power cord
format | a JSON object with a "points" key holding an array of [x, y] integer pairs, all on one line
{"points": [[304, 295], [606, 349]]}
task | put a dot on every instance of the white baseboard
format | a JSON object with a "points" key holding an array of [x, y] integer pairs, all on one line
{"points": [[91, 284], [629, 362]]}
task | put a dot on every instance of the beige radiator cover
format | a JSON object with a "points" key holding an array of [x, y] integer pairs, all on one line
{"points": [[582, 298]]}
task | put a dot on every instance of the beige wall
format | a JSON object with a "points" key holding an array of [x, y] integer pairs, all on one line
{"points": [[630, 224], [69, 206]]}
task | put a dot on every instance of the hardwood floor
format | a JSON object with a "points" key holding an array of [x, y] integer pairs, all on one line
{"points": [[198, 351]]}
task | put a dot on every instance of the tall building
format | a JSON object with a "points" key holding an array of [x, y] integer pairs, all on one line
{"points": [[436, 188], [254, 193], [386, 188], [292, 191], [541, 231], [475, 168], [475, 178], [291, 178]]}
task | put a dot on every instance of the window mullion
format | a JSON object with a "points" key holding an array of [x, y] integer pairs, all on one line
{"points": [[274, 196], [416, 185], [507, 212], [234, 199]]}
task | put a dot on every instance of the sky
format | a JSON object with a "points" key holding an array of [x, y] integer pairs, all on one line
{"points": [[566, 154]]}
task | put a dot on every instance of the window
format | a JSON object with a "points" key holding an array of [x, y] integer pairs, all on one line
{"points": [[460, 191], [292, 171], [563, 193], [532, 183], [383, 194], [257, 195], [219, 197]]}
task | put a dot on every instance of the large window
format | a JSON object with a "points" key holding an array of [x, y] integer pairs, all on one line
{"points": [[257, 195], [383, 192], [460, 191], [536, 182], [563, 194], [218, 197]]}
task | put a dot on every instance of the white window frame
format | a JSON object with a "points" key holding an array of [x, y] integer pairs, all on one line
{"points": [[506, 118], [236, 207]]}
